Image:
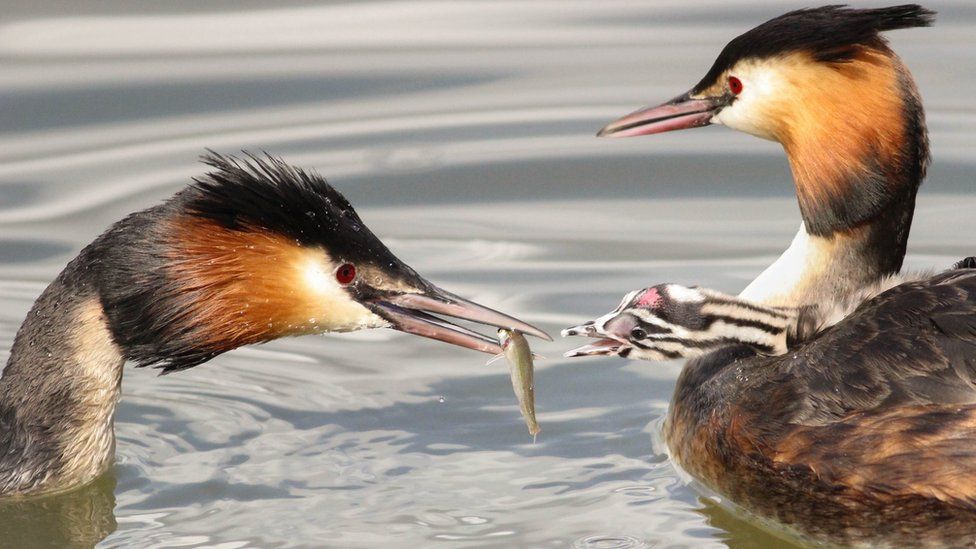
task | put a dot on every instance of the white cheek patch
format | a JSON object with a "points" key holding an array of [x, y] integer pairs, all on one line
{"points": [[761, 86], [336, 310], [317, 279]]}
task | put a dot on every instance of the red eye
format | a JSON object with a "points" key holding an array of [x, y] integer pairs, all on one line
{"points": [[735, 85], [346, 273]]}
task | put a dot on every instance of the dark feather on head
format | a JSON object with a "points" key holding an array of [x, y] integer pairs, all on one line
{"points": [[166, 303], [828, 33], [265, 193]]}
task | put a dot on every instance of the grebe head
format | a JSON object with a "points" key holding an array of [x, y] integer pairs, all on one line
{"points": [[670, 321], [258, 250], [824, 83]]}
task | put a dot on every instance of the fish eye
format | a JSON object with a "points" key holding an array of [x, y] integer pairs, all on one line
{"points": [[345, 273], [638, 333], [735, 85]]}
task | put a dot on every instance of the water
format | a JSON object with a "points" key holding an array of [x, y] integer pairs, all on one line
{"points": [[463, 132]]}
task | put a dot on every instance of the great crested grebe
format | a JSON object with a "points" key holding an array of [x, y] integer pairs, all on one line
{"points": [[253, 251], [867, 432]]}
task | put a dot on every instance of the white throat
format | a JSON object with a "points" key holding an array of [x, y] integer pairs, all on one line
{"points": [[783, 282]]}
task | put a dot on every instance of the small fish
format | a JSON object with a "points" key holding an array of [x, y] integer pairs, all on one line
{"points": [[519, 355]]}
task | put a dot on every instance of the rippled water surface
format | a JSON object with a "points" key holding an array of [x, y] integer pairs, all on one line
{"points": [[463, 132]]}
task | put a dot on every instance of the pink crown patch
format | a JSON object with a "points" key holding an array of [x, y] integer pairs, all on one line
{"points": [[649, 299]]}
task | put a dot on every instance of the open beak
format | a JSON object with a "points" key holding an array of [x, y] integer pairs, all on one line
{"points": [[681, 112], [413, 313], [603, 346], [600, 347]]}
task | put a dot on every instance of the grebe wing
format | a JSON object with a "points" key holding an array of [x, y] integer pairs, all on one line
{"points": [[912, 345], [893, 454], [884, 403]]}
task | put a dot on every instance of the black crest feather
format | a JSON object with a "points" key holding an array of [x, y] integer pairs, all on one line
{"points": [[144, 302], [265, 193], [828, 33]]}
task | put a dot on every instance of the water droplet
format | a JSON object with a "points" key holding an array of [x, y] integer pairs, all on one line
{"points": [[441, 399]]}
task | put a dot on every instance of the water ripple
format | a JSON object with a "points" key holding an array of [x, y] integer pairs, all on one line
{"points": [[463, 131], [610, 542]]}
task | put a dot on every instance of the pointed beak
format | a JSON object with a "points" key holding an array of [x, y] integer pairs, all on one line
{"points": [[413, 313], [603, 346], [679, 113]]}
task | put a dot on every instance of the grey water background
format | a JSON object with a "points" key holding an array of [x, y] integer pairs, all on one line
{"points": [[463, 132]]}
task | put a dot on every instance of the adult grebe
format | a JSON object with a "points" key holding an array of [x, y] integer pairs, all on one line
{"points": [[867, 433], [825, 85], [253, 251]]}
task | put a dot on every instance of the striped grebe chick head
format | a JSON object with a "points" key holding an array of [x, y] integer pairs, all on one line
{"points": [[670, 321]]}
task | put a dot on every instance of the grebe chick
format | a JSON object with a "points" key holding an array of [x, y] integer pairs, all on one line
{"points": [[866, 433], [253, 251], [670, 321]]}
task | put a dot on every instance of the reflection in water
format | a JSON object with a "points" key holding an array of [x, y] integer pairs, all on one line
{"points": [[739, 532], [79, 518]]}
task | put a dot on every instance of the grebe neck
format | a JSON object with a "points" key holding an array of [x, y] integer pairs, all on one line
{"points": [[815, 267], [59, 390], [856, 176]]}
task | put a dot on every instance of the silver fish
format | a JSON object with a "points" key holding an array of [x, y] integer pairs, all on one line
{"points": [[516, 350]]}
